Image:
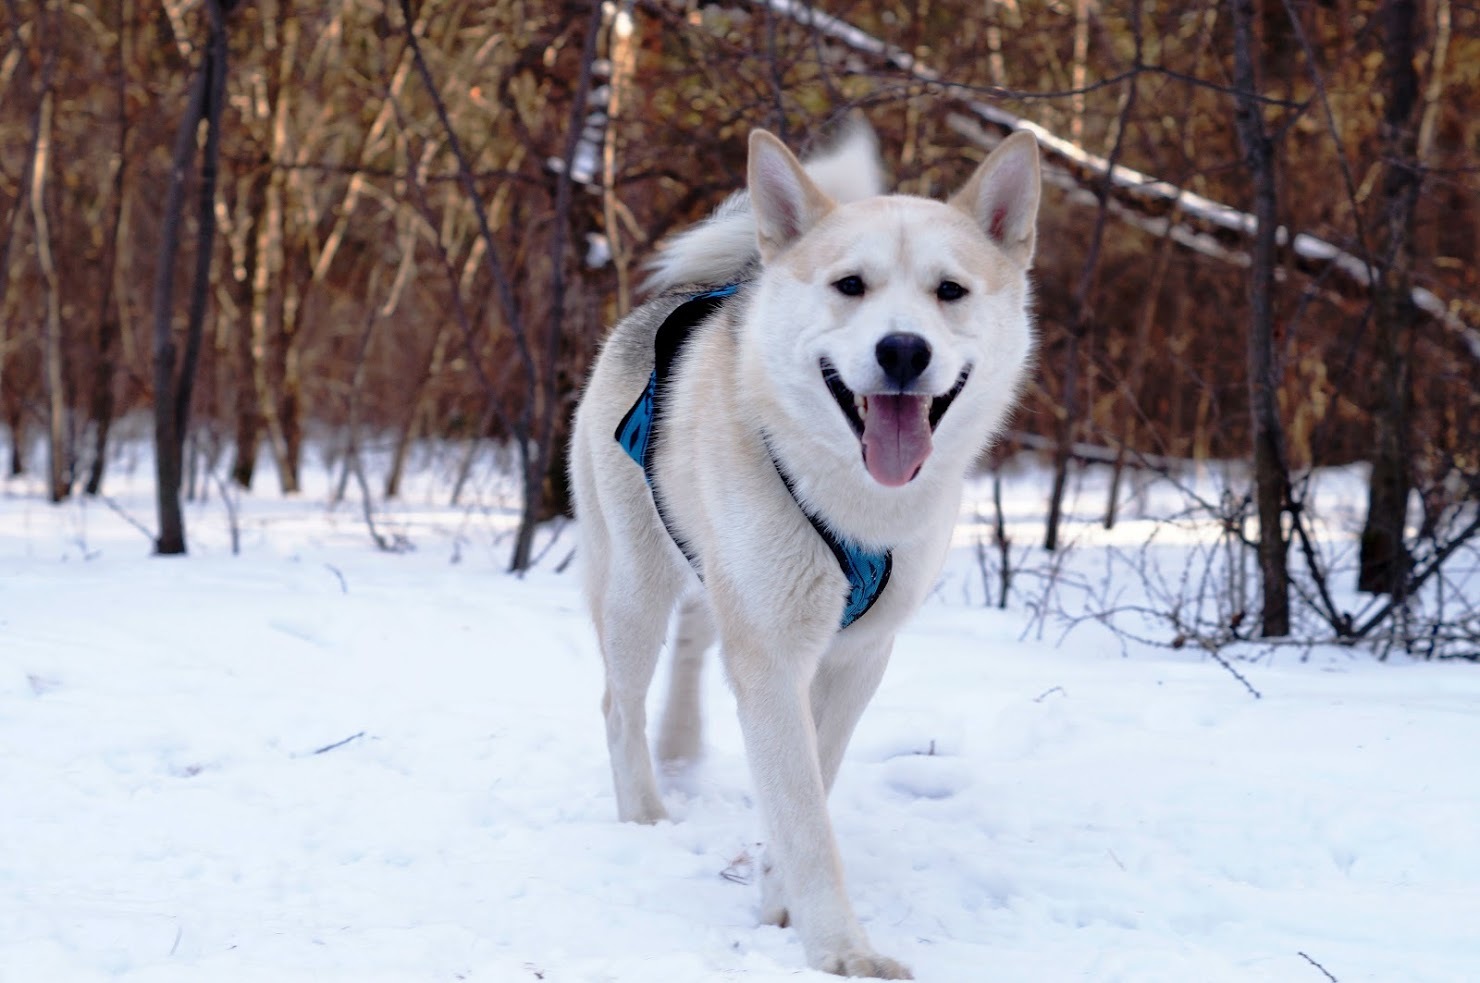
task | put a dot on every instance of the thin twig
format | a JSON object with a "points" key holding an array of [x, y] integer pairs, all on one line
{"points": [[1317, 965], [1339, 621], [231, 518], [559, 523], [148, 533], [338, 744], [1217, 657], [398, 542]]}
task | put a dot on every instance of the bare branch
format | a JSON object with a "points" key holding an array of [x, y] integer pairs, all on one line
{"points": [[508, 303], [1135, 189]]}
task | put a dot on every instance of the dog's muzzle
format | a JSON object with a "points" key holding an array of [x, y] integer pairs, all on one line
{"points": [[894, 429]]}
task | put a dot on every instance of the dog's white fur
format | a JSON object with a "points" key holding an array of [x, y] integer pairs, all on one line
{"points": [[772, 591]]}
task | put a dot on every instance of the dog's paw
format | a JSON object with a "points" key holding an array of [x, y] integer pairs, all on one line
{"points": [[679, 745], [648, 815], [861, 962], [773, 894]]}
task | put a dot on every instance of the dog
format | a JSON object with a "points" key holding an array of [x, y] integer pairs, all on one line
{"points": [[776, 444]]}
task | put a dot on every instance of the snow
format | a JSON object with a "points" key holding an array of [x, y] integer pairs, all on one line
{"points": [[318, 761]]}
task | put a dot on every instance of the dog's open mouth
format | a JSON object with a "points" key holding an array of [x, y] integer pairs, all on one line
{"points": [[894, 429]]}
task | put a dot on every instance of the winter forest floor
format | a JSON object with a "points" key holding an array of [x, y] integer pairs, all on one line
{"points": [[317, 760]]}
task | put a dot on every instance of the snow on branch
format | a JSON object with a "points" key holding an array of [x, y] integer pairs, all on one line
{"points": [[1139, 195]]}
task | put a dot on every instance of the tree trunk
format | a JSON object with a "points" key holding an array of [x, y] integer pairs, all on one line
{"points": [[556, 495], [17, 423], [248, 402], [268, 274], [1384, 560], [352, 461], [543, 460], [206, 220], [1065, 429], [416, 411], [1079, 71], [1270, 479], [621, 52], [102, 404], [110, 328], [290, 404], [1083, 317], [172, 388], [167, 463], [13, 225], [59, 479], [1140, 351]]}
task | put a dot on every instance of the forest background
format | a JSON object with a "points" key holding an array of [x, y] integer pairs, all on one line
{"points": [[278, 224]]}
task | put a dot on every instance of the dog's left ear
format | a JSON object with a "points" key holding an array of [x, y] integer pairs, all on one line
{"points": [[783, 198], [1002, 196]]}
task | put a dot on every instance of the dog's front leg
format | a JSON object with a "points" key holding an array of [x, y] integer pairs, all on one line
{"points": [[773, 698], [844, 683]]}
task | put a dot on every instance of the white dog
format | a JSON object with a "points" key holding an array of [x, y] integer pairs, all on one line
{"points": [[780, 439]]}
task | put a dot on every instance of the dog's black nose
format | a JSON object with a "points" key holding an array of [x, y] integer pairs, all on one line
{"points": [[902, 357]]}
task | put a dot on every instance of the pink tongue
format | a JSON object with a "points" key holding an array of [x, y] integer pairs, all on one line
{"points": [[896, 437]]}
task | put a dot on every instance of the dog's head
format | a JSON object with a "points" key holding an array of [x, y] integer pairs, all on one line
{"points": [[897, 322]]}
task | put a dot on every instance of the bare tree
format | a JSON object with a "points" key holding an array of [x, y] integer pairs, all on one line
{"points": [[548, 464], [274, 408], [247, 407], [174, 371], [59, 471], [109, 318], [540, 423], [1384, 559], [1083, 315], [1271, 482]]}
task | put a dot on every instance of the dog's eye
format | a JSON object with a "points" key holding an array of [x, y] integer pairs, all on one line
{"points": [[949, 290], [850, 286]]}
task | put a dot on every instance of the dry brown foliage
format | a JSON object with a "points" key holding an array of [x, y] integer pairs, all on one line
{"points": [[351, 280]]}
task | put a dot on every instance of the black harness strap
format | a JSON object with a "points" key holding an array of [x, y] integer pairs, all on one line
{"points": [[638, 431], [867, 570]]}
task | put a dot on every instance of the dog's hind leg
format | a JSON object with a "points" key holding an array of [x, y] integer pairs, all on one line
{"points": [[681, 730], [633, 618]]}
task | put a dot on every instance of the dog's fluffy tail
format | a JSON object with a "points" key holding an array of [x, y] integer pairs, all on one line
{"points": [[723, 245]]}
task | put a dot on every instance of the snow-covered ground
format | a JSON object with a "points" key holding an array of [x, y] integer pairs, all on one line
{"points": [[319, 761]]}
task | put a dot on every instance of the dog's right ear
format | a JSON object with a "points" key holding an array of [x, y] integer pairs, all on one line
{"points": [[784, 200]]}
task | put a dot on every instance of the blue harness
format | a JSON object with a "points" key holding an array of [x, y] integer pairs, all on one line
{"points": [[867, 570]]}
